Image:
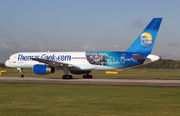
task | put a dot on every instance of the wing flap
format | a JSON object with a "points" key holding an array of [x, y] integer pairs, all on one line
{"points": [[86, 67]]}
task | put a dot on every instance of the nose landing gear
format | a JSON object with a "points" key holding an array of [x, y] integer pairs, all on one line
{"points": [[20, 72]]}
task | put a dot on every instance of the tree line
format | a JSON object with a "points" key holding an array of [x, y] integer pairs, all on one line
{"points": [[160, 64], [2, 65]]}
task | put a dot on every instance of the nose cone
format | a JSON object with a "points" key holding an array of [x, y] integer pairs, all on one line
{"points": [[7, 63]]}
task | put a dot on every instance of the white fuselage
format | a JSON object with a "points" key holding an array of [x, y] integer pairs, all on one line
{"points": [[23, 60]]}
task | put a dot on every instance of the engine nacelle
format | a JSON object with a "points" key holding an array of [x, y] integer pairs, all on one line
{"points": [[43, 69], [78, 72]]}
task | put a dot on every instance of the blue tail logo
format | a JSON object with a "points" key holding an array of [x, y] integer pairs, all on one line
{"points": [[145, 41]]}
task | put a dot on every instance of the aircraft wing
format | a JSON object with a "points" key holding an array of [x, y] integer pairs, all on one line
{"points": [[61, 64], [52, 63]]}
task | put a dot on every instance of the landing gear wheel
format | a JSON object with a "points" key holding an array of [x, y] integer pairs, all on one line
{"points": [[67, 77], [20, 72], [87, 76], [21, 76]]}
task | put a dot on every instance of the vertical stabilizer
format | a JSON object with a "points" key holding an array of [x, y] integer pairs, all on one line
{"points": [[145, 41]]}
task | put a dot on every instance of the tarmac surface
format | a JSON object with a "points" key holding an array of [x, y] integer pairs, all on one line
{"points": [[94, 81]]}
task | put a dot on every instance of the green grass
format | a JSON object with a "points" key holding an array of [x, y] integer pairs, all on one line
{"points": [[87, 100], [126, 73]]}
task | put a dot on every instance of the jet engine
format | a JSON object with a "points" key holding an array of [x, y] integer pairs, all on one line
{"points": [[43, 69]]}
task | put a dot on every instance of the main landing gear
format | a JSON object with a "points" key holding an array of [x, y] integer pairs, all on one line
{"points": [[67, 77], [84, 76], [87, 76], [66, 70]]}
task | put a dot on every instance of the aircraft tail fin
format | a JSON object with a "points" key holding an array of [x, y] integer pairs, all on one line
{"points": [[145, 41]]}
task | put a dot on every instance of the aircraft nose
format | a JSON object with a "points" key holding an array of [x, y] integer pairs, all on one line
{"points": [[7, 63]]}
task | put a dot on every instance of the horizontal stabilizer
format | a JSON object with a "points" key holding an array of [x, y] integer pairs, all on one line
{"points": [[138, 57]]}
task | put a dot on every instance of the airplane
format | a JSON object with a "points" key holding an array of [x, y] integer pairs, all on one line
{"points": [[139, 53]]}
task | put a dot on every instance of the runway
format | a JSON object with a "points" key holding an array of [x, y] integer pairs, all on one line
{"points": [[94, 81]]}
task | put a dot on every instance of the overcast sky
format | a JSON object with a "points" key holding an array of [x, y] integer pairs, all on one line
{"points": [[86, 25]]}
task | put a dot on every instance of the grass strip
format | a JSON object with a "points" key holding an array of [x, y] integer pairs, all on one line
{"points": [[87, 100]]}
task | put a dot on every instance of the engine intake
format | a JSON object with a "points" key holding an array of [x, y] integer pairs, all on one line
{"points": [[43, 69]]}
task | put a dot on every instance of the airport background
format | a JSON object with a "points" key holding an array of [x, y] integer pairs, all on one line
{"points": [[86, 25], [89, 25]]}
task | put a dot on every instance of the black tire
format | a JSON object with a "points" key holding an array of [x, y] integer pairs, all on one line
{"points": [[87, 76], [21, 76], [64, 77], [67, 77], [70, 76]]}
